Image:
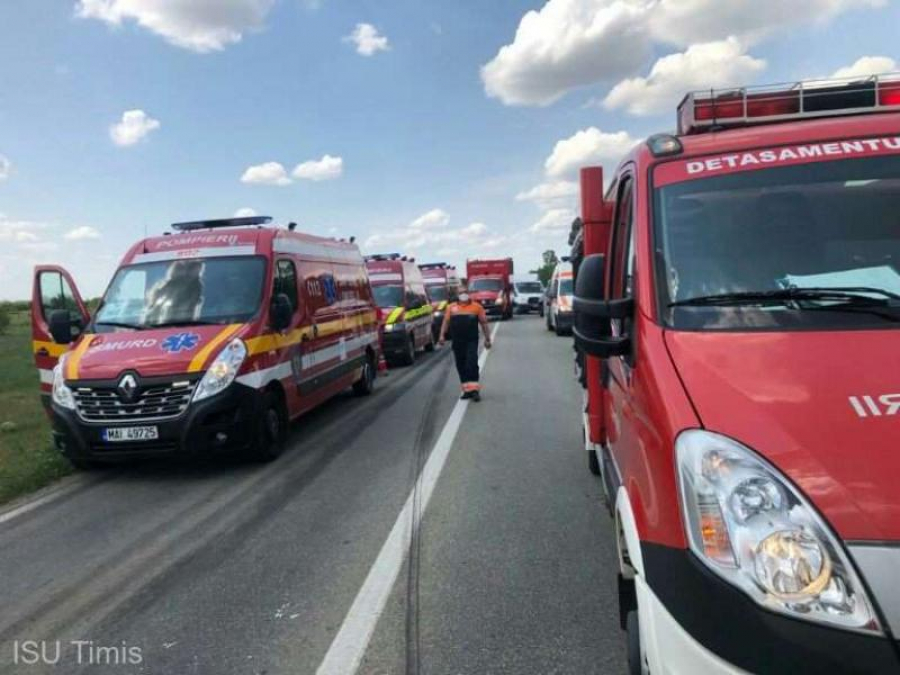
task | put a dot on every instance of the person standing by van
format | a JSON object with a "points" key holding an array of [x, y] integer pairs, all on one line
{"points": [[462, 320]]}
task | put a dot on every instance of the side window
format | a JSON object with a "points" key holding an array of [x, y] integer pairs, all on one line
{"points": [[286, 281], [622, 263], [57, 294]]}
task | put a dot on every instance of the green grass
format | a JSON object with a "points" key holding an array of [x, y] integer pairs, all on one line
{"points": [[28, 460]]}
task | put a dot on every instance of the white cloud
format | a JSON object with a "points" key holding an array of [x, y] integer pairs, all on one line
{"points": [[368, 40], [549, 194], [586, 147], [327, 168], [708, 65], [575, 43], [5, 168], [554, 222], [199, 25], [81, 233], [268, 173], [430, 233], [245, 212], [132, 128], [431, 219], [867, 66]]}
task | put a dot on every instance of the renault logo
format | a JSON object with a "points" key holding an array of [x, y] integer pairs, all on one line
{"points": [[127, 387]]}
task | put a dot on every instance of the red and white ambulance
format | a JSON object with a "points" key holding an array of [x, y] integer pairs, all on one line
{"points": [[403, 308], [489, 282], [739, 303], [213, 337], [441, 286]]}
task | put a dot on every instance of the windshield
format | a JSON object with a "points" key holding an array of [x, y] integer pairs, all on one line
{"points": [[565, 287], [213, 290], [388, 296], [436, 292], [821, 225], [485, 285], [529, 287]]}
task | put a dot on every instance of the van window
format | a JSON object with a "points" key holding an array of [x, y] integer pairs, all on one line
{"points": [[286, 282], [56, 294], [485, 285], [824, 224], [622, 263], [388, 296]]}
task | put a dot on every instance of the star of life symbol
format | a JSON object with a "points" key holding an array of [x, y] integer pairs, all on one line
{"points": [[180, 341]]}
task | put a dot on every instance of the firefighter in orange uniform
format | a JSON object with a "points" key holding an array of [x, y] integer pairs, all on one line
{"points": [[462, 320]]}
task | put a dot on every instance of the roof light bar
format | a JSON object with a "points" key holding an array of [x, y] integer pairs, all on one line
{"points": [[221, 222], [701, 111]]}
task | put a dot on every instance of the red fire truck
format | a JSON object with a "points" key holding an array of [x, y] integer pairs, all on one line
{"points": [[210, 338], [441, 286], [490, 283], [738, 300]]}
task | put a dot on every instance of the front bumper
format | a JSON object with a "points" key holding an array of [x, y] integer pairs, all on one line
{"points": [[395, 342], [565, 320], [221, 423], [692, 621]]}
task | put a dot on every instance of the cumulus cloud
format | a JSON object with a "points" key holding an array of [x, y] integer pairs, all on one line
{"points": [[554, 222], [245, 212], [327, 168], [368, 40], [574, 43], [586, 147], [867, 66], [81, 233], [5, 168], [200, 26], [546, 195], [707, 65], [431, 233], [431, 219], [132, 128], [268, 173]]}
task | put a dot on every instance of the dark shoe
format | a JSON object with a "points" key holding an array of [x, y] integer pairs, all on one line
{"points": [[476, 396], [467, 394]]}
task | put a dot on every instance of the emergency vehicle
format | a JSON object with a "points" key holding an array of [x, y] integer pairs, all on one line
{"points": [[490, 283], [210, 338], [441, 287], [739, 304], [558, 313], [404, 311]]}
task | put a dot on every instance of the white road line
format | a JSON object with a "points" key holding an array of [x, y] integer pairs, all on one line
{"points": [[54, 493], [350, 644]]}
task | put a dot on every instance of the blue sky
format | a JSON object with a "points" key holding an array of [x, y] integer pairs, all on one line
{"points": [[433, 135]]}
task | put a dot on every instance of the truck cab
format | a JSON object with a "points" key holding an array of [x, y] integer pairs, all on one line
{"points": [[489, 283], [405, 314], [210, 338], [738, 305]]}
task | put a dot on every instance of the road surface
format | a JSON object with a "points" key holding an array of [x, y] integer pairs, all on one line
{"points": [[401, 533]]}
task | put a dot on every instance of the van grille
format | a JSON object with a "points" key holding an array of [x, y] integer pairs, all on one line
{"points": [[150, 403]]}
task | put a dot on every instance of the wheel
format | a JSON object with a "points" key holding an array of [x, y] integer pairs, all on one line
{"points": [[366, 382], [547, 321], [635, 655], [559, 331], [271, 430], [429, 347], [593, 462], [408, 356]]}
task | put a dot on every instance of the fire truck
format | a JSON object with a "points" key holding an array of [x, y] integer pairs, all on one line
{"points": [[210, 338], [490, 283], [441, 286], [737, 308]]}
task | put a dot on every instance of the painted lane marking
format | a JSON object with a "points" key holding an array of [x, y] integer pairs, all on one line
{"points": [[349, 646], [55, 493]]}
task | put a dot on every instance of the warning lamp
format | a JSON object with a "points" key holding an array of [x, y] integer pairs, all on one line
{"points": [[664, 145]]}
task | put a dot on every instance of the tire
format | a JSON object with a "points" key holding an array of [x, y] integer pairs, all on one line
{"points": [[547, 321], [593, 462], [429, 347], [559, 331], [633, 632], [409, 356], [271, 431], [365, 385]]}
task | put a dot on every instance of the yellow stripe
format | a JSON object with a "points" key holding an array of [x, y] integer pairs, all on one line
{"points": [[395, 315], [274, 341], [442, 306], [52, 348], [198, 361], [75, 357]]}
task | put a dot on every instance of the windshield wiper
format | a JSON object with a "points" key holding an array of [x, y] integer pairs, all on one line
{"points": [[119, 324], [184, 322], [856, 296]]}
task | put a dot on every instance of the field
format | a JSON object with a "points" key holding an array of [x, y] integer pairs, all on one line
{"points": [[28, 460]]}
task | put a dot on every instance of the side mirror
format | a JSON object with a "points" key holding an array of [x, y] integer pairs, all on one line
{"points": [[61, 326], [281, 312], [593, 312]]}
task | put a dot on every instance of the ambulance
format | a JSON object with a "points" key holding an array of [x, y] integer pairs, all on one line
{"points": [[210, 338], [405, 314], [441, 287], [739, 305]]}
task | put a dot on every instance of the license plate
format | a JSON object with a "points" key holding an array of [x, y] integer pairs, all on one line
{"points": [[120, 434]]}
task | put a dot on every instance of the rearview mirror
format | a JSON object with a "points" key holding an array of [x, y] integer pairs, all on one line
{"points": [[61, 326], [593, 312], [281, 312]]}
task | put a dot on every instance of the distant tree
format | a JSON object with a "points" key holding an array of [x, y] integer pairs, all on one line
{"points": [[545, 271]]}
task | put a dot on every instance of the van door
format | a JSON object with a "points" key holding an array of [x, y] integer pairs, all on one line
{"points": [[53, 291], [326, 340]]}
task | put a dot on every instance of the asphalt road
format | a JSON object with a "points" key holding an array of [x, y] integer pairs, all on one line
{"points": [[220, 567]]}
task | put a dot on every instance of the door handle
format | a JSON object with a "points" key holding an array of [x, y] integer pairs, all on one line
{"points": [[42, 352]]}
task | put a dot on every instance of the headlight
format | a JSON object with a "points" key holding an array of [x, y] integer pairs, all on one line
{"points": [[222, 371], [438, 315], [391, 327], [748, 524], [62, 395]]}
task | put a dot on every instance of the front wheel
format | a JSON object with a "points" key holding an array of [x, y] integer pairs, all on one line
{"points": [[429, 347], [409, 354], [271, 429], [593, 462], [365, 385]]}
